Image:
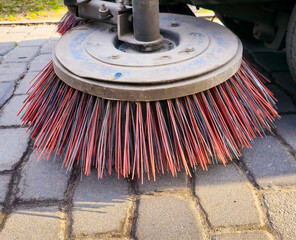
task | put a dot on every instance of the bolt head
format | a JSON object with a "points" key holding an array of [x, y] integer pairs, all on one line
{"points": [[189, 49], [175, 24], [195, 34], [115, 56]]}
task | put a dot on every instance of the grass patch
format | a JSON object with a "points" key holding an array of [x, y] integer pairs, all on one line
{"points": [[15, 10]]}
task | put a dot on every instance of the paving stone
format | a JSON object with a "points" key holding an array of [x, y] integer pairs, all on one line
{"points": [[33, 41], [256, 235], [285, 103], [270, 163], [282, 212], [4, 181], [225, 196], [48, 47], [4, 30], [8, 113], [43, 31], [44, 179], [12, 71], [40, 62], [5, 47], [13, 77], [13, 37], [168, 217], [286, 128], [285, 80], [164, 183], [24, 84], [272, 61], [21, 29], [21, 54], [6, 90], [33, 224], [13, 144], [100, 205]]}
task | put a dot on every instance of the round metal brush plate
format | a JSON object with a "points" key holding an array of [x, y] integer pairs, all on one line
{"points": [[197, 55]]}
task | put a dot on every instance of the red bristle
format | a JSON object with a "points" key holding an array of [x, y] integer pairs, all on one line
{"points": [[67, 22]]}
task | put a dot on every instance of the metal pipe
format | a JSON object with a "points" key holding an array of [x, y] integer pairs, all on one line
{"points": [[146, 20]]}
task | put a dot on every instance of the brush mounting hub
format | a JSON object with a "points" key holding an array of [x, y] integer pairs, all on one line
{"points": [[197, 55]]}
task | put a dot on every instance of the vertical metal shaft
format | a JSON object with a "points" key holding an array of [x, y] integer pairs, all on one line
{"points": [[146, 20]]}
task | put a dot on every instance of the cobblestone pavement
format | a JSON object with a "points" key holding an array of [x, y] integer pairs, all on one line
{"points": [[254, 198]]}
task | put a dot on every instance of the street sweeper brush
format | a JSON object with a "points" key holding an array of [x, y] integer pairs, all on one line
{"points": [[67, 22], [146, 97]]}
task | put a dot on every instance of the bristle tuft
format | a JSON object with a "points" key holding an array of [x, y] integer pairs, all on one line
{"points": [[67, 22]]}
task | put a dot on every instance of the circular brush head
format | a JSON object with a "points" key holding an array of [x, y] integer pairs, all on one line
{"points": [[139, 137]]}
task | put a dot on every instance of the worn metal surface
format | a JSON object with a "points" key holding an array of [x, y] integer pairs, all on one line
{"points": [[146, 21], [138, 25], [206, 54]]}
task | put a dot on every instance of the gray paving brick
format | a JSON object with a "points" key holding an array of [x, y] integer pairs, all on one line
{"points": [[100, 205], [164, 183], [33, 41], [8, 113], [21, 54], [256, 235], [24, 84], [12, 71], [48, 47], [4, 30], [40, 62], [285, 80], [286, 128], [13, 143], [272, 61], [33, 224], [4, 182], [6, 90], [5, 47], [43, 31], [168, 217], [21, 29], [282, 212], [13, 37], [270, 163], [46, 179], [225, 196], [10, 78], [285, 103]]}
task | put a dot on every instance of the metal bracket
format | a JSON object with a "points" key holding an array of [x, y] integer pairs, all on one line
{"points": [[137, 25], [102, 11]]}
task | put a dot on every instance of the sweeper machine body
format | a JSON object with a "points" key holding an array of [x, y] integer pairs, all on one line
{"points": [[144, 92]]}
